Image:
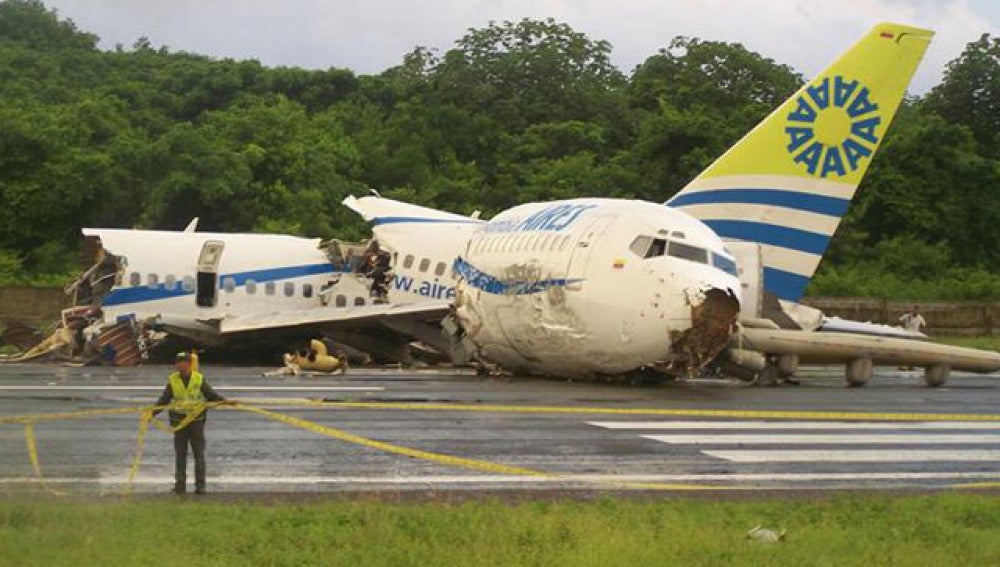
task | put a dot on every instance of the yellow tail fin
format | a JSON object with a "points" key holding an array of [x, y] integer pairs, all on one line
{"points": [[788, 182]]}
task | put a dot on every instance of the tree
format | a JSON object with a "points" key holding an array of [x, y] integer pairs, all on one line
{"points": [[30, 23], [970, 93]]}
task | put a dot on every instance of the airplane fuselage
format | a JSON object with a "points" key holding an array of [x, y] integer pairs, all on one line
{"points": [[174, 278], [586, 286]]}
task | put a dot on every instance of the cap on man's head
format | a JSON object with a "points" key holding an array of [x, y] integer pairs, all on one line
{"points": [[183, 356]]}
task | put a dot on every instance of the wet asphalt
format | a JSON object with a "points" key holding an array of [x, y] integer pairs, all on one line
{"points": [[475, 433]]}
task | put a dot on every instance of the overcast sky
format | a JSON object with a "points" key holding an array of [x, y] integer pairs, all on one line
{"points": [[369, 36]]}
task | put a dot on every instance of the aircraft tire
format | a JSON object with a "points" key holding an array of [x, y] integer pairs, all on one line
{"points": [[936, 376], [858, 372]]}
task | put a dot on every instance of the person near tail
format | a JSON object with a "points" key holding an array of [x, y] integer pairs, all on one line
{"points": [[912, 320]]}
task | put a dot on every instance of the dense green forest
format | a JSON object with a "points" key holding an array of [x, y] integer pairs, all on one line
{"points": [[516, 111]]}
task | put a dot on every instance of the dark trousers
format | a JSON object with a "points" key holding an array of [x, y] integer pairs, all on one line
{"points": [[194, 435]]}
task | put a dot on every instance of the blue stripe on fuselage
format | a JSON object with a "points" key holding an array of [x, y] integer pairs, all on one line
{"points": [[138, 294], [811, 202], [490, 284]]}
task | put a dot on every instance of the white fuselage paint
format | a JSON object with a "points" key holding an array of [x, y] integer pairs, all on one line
{"points": [[256, 274], [554, 288]]}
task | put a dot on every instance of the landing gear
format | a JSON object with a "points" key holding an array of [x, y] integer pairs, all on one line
{"points": [[858, 372], [779, 370], [936, 376]]}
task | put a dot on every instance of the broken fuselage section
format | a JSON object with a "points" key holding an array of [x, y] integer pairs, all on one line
{"points": [[146, 285], [588, 287]]}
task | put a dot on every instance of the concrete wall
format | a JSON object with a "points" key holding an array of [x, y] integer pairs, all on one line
{"points": [[32, 306], [943, 317], [41, 306]]}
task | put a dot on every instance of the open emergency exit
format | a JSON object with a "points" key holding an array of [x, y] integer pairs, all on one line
{"points": [[207, 293]]}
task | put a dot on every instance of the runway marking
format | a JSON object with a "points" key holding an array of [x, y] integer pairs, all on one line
{"points": [[564, 478], [751, 414], [853, 456], [647, 425], [822, 439], [219, 388]]}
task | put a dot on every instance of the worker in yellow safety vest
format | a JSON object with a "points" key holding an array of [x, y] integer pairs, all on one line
{"points": [[186, 391]]}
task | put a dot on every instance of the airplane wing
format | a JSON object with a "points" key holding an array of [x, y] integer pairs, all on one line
{"points": [[861, 352], [334, 318]]}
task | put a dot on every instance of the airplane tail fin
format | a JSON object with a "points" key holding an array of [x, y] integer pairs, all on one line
{"points": [[789, 181]]}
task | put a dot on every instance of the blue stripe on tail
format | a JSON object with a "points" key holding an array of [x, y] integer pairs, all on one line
{"points": [[783, 236], [832, 206]]}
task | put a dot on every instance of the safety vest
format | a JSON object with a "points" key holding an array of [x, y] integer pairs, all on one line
{"points": [[186, 397]]}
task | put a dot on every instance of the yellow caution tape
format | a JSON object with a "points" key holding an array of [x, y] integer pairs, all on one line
{"points": [[29, 439], [140, 437], [741, 414], [146, 418], [450, 460]]}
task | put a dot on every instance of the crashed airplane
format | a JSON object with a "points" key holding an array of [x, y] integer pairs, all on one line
{"points": [[584, 287]]}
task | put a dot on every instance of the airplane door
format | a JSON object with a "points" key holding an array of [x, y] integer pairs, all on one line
{"points": [[582, 250], [208, 273]]}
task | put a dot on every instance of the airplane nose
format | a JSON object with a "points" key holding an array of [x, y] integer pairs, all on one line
{"points": [[714, 312]]}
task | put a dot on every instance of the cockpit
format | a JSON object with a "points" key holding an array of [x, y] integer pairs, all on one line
{"points": [[653, 247]]}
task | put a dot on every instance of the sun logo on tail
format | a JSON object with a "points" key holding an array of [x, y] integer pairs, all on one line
{"points": [[833, 127]]}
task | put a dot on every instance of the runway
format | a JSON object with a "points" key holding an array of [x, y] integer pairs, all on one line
{"points": [[450, 430]]}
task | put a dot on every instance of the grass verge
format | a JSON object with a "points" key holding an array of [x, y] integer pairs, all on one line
{"points": [[853, 529], [989, 342]]}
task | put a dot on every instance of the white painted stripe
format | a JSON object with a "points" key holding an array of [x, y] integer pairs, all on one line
{"points": [[794, 261], [741, 425], [789, 182], [854, 456], [771, 214], [813, 438], [115, 388], [480, 479]]}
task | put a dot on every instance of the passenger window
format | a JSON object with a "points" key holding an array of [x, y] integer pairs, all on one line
{"points": [[640, 245], [152, 280], [530, 243], [251, 286], [440, 268], [269, 288], [408, 261], [289, 289], [135, 279], [169, 282], [424, 264], [688, 252], [564, 241], [228, 284], [555, 243], [358, 301], [188, 283], [341, 301], [307, 290]]}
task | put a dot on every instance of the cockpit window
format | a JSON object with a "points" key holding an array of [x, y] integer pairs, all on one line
{"points": [[724, 264], [648, 247], [657, 249], [640, 245], [688, 252]]}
